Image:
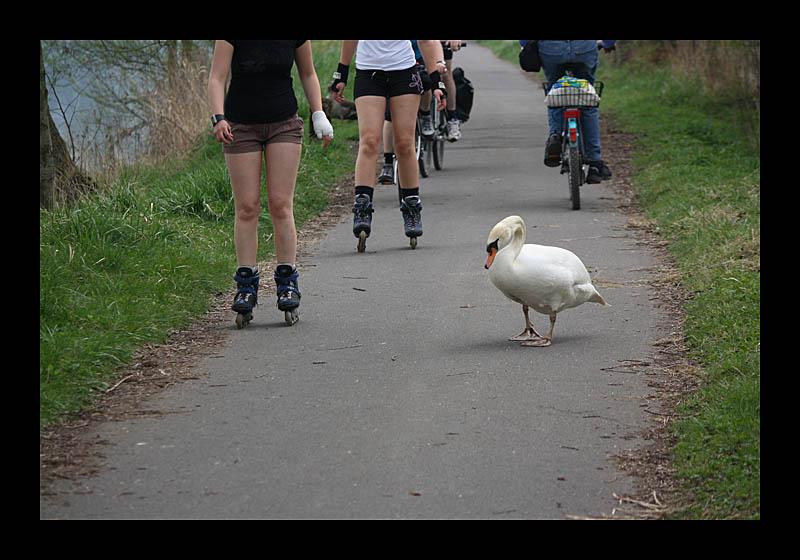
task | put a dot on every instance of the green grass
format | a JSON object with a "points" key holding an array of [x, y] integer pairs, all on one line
{"points": [[125, 267], [698, 177]]}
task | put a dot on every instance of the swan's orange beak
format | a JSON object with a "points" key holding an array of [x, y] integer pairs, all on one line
{"points": [[490, 258], [491, 248]]}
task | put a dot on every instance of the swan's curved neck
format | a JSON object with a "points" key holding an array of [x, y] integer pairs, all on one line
{"points": [[519, 237], [512, 250]]}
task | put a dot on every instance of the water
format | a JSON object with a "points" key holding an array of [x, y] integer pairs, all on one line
{"points": [[99, 93]]}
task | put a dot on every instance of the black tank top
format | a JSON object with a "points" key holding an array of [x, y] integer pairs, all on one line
{"points": [[261, 82]]}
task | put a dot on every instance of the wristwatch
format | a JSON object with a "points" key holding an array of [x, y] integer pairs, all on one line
{"points": [[216, 118]]}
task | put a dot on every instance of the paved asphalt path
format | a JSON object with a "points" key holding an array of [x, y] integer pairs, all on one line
{"points": [[398, 395]]}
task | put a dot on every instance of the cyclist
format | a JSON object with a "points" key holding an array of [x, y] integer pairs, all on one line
{"points": [[453, 122], [581, 58], [426, 119]]}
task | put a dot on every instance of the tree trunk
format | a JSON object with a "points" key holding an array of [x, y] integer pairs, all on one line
{"points": [[59, 177], [46, 160]]}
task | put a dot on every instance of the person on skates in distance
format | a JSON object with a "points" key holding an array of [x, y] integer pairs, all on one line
{"points": [[387, 70], [453, 123], [258, 119]]}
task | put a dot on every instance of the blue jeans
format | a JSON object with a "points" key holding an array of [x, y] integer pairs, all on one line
{"points": [[581, 58]]}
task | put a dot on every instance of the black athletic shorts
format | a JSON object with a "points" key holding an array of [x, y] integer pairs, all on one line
{"points": [[426, 86], [387, 83]]}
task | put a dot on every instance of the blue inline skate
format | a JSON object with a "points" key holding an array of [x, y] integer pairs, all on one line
{"points": [[246, 297], [362, 220], [411, 207], [288, 293]]}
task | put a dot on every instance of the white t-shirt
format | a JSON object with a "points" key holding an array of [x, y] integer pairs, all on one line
{"points": [[384, 54]]}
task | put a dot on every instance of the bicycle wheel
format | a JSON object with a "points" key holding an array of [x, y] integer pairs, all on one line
{"points": [[438, 151], [427, 147], [575, 170], [436, 146], [439, 137], [423, 170]]}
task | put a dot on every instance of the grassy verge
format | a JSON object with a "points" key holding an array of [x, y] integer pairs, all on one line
{"points": [[125, 267], [698, 178]]}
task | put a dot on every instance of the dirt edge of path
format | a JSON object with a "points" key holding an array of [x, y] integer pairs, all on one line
{"points": [[669, 371]]}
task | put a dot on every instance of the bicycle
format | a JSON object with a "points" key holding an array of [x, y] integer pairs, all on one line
{"points": [[439, 138], [436, 142], [572, 148]]}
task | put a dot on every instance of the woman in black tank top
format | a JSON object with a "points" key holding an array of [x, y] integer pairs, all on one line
{"points": [[258, 119]]}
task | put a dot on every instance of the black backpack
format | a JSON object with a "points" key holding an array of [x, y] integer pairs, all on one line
{"points": [[529, 57], [465, 94]]}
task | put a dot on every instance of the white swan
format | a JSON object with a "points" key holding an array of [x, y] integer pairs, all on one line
{"points": [[547, 279]]}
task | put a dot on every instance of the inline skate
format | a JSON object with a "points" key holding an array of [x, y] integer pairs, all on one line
{"points": [[362, 220], [288, 293], [246, 297], [411, 207]]}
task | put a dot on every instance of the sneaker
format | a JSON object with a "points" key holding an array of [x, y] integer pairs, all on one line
{"points": [[552, 151], [598, 171], [427, 126], [453, 130]]}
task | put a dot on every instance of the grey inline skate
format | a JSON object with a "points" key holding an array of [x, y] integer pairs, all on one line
{"points": [[411, 207], [362, 220]]}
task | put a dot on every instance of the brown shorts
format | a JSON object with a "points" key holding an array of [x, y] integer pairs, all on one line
{"points": [[255, 137]]}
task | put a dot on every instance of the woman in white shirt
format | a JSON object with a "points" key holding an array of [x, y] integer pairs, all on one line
{"points": [[387, 69]]}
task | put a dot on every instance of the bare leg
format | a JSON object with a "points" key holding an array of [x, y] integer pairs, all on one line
{"points": [[371, 110], [450, 86], [388, 138], [245, 173], [404, 120], [282, 161]]}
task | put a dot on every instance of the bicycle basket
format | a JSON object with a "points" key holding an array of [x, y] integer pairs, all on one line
{"points": [[569, 96]]}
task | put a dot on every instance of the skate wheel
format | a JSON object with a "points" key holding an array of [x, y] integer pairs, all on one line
{"points": [[291, 317], [362, 241], [413, 242], [242, 319]]}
